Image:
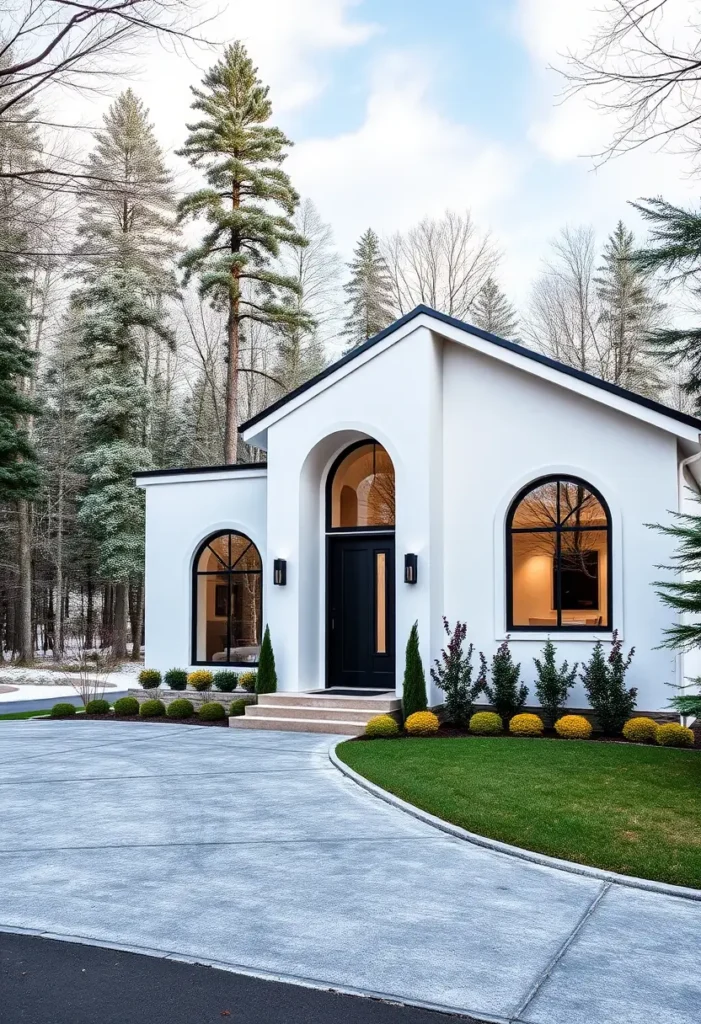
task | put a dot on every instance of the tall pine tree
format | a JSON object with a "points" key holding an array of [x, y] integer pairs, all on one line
{"points": [[248, 203], [493, 312], [369, 293]]}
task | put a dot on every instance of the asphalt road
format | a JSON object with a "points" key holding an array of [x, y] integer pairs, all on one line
{"points": [[43, 981]]}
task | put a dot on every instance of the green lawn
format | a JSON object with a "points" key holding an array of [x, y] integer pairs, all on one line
{"points": [[633, 809], [23, 714]]}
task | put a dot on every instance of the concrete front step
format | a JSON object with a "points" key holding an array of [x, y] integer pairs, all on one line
{"points": [[378, 705], [298, 725], [353, 714]]}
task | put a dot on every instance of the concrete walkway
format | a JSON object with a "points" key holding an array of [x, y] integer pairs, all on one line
{"points": [[251, 851]]}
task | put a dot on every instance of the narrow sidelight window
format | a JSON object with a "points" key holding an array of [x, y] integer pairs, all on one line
{"points": [[380, 602], [558, 547]]}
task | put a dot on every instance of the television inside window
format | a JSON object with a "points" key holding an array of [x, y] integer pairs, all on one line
{"points": [[579, 581]]}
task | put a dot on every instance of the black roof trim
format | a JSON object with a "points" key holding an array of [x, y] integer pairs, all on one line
{"points": [[146, 473], [510, 346]]}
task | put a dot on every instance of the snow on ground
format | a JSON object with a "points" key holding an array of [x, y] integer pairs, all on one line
{"points": [[40, 683]]}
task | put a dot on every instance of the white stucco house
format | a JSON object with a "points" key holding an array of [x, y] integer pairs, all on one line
{"points": [[435, 470]]}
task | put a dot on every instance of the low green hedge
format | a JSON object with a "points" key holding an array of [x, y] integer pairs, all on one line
{"points": [[181, 708], [213, 711], [238, 707], [62, 710], [97, 707], [152, 709], [176, 679], [125, 707], [226, 682]]}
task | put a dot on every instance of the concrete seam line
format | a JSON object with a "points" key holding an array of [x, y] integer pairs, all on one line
{"points": [[542, 859], [545, 974], [263, 975]]}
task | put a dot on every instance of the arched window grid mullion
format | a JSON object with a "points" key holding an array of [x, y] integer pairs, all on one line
{"points": [[226, 573]]}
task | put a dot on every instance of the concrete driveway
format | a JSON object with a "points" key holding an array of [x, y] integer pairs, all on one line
{"points": [[251, 851]]}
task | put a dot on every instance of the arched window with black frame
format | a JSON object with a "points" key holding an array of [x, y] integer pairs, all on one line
{"points": [[558, 557], [227, 601]]}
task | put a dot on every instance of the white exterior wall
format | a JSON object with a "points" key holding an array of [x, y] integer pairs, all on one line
{"points": [[180, 512], [504, 428]]}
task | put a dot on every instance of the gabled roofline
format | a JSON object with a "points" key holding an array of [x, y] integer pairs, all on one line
{"points": [[509, 346], [149, 474]]}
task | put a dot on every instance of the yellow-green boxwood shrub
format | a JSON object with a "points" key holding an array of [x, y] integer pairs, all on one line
{"points": [[149, 678], [573, 727], [526, 725], [212, 712], [486, 723], [125, 707], [180, 708], [62, 710], [640, 730], [152, 709], [382, 727], [422, 723], [674, 735], [201, 679], [247, 681]]}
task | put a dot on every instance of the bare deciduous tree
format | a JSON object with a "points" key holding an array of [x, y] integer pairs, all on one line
{"points": [[440, 263]]}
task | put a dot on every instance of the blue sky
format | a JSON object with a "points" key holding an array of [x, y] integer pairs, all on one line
{"points": [[400, 109]]}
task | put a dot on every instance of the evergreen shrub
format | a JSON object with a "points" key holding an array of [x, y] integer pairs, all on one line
{"points": [[553, 683], [226, 682], [486, 723], [152, 709], [266, 677], [453, 673], [640, 730], [62, 710], [180, 708], [149, 678], [382, 727], [604, 682], [414, 689], [422, 723], [212, 712], [176, 678], [247, 681], [504, 691], [674, 735], [238, 707], [201, 680], [124, 707], [97, 707], [526, 725], [573, 727]]}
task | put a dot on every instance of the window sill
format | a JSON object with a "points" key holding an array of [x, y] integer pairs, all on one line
{"points": [[225, 664], [555, 634]]}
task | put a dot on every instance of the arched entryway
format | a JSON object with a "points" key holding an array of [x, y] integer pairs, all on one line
{"points": [[360, 519]]}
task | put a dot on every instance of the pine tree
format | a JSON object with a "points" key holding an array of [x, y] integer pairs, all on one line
{"points": [[553, 684], [368, 292], [248, 204], [504, 691], [414, 689], [628, 314], [604, 682], [683, 594], [266, 676], [674, 248], [493, 312]]}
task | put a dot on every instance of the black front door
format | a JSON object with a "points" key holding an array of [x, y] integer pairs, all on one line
{"points": [[360, 626]]}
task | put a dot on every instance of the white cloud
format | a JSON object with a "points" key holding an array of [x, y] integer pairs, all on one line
{"points": [[404, 161]]}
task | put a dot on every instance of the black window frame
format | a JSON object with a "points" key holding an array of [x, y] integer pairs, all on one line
{"points": [[335, 466], [228, 572], [558, 529]]}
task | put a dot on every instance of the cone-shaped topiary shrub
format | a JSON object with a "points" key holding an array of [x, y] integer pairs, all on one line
{"points": [[414, 690], [62, 710], [247, 681], [573, 727], [422, 723], [640, 730], [180, 708], [486, 723], [152, 709], [226, 681], [674, 735], [238, 707], [382, 727], [266, 677], [201, 680], [149, 678], [97, 707], [604, 681], [526, 725], [176, 678], [125, 707], [212, 712]]}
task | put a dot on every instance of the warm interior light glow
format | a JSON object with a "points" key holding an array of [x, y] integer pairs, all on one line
{"points": [[228, 601], [362, 489]]}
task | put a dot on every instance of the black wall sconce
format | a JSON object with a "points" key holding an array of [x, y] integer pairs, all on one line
{"points": [[410, 568], [280, 572]]}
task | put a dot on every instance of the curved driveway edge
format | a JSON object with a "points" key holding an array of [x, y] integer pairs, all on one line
{"points": [[665, 888], [250, 851]]}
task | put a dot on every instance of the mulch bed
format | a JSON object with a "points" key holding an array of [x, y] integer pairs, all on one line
{"points": [[446, 731], [194, 720]]}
